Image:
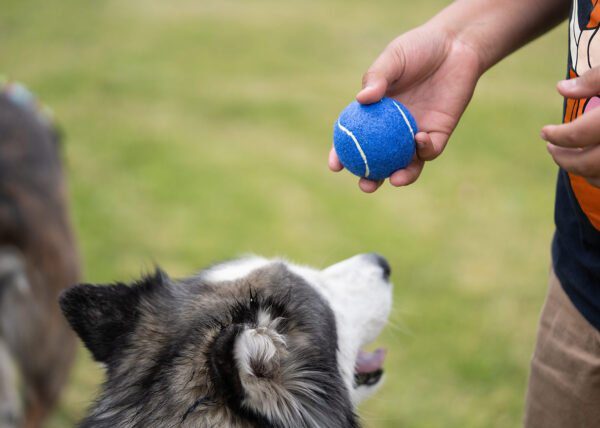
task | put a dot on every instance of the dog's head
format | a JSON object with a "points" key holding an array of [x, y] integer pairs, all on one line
{"points": [[249, 342]]}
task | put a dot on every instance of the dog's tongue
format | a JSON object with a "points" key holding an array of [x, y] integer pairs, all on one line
{"points": [[367, 362]]}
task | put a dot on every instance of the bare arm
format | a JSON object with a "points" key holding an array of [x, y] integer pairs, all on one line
{"points": [[496, 28]]}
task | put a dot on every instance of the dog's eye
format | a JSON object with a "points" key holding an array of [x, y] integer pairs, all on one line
{"points": [[245, 309]]}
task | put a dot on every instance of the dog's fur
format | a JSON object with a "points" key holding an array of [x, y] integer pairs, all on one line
{"points": [[245, 343], [37, 260]]}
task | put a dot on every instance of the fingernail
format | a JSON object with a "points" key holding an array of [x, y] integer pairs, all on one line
{"points": [[568, 84], [543, 135]]}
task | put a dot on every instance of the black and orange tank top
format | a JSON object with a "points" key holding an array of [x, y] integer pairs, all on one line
{"points": [[576, 246]]}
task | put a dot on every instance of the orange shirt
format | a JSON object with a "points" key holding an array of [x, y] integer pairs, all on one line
{"points": [[576, 245]]}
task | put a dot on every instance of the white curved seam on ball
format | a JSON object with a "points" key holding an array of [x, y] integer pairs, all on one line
{"points": [[360, 150], [410, 128]]}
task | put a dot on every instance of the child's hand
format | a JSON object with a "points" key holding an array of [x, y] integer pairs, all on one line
{"points": [[575, 146], [434, 75]]}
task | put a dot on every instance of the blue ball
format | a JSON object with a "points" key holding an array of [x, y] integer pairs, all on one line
{"points": [[375, 140]]}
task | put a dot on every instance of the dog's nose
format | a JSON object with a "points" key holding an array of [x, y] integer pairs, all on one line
{"points": [[381, 262]]}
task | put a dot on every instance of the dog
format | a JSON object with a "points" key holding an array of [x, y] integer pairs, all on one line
{"points": [[251, 342], [38, 259]]}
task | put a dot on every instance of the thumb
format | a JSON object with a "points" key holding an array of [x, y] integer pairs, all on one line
{"points": [[581, 87], [374, 87], [385, 70]]}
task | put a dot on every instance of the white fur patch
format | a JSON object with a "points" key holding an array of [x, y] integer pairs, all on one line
{"points": [[236, 269], [361, 299]]}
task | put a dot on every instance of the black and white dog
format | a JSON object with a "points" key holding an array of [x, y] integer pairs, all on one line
{"points": [[246, 343]]}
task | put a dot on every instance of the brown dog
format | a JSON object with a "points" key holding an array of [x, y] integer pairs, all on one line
{"points": [[37, 260]]}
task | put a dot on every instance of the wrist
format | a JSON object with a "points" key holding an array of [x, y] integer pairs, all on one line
{"points": [[464, 30], [459, 40], [493, 29]]}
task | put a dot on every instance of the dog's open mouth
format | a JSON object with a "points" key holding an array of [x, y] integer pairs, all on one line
{"points": [[369, 367]]}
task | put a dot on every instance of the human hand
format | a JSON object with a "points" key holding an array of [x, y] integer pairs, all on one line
{"points": [[575, 146], [434, 75]]}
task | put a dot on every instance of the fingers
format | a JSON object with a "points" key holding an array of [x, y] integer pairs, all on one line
{"points": [[399, 178], [402, 177], [430, 145], [581, 87], [583, 162], [408, 175], [369, 186], [582, 132], [374, 88], [425, 148], [575, 146], [387, 68], [334, 162], [594, 181]]}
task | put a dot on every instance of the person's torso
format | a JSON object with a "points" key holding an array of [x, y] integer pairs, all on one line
{"points": [[576, 247]]}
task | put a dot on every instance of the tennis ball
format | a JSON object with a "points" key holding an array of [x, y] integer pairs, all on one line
{"points": [[375, 140]]}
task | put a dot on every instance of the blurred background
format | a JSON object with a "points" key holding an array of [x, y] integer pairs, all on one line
{"points": [[199, 130]]}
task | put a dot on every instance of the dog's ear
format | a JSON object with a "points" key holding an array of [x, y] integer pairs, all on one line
{"points": [[105, 315], [102, 315], [258, 353]]}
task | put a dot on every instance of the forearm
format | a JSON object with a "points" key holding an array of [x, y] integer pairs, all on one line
{"points": [[496, 28]]}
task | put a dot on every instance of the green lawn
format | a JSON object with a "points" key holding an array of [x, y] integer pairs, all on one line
{"points": [[199, 130]]}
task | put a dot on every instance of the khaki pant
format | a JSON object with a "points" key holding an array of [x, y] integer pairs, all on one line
{"points": [[564, 384]]}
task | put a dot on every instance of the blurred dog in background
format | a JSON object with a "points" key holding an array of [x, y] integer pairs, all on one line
{"points": [[38, 258]]}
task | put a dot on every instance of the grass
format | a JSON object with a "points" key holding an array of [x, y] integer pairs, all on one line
{"points": [[198, 131]]}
